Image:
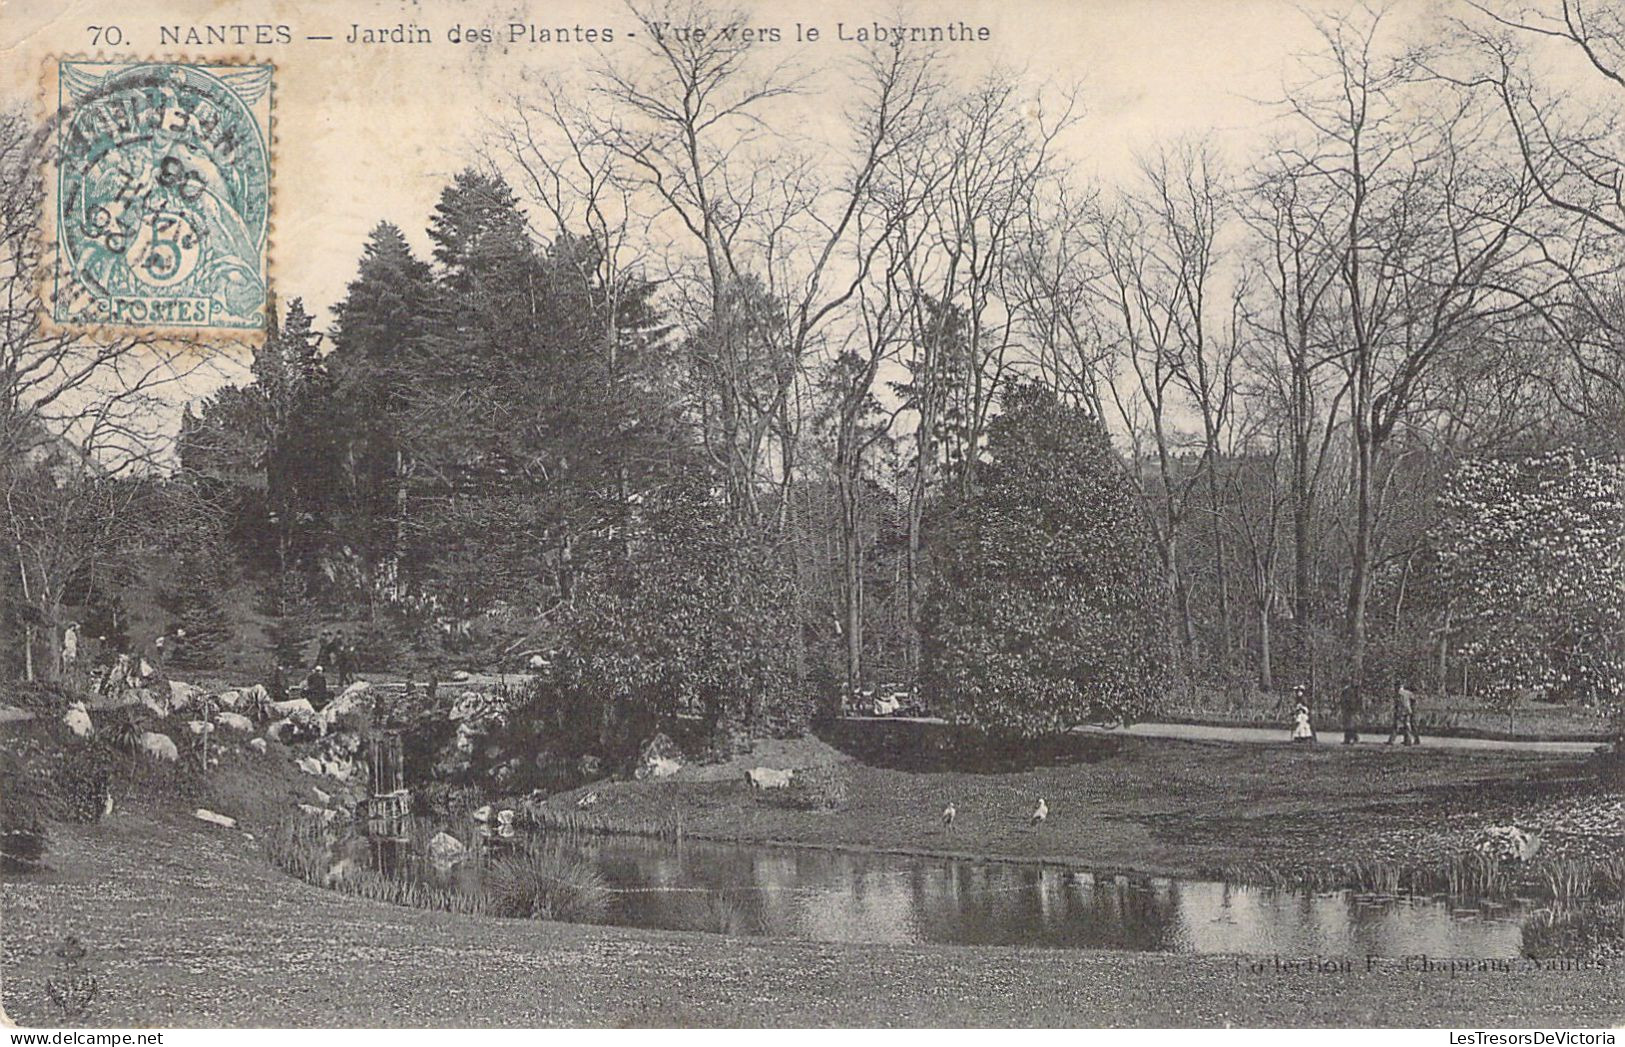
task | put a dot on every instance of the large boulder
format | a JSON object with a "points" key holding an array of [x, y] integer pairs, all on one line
{"points": [[295, 709], [658, 757], [234, 721], [185, 695], [769, 778], [149, 697], [310, 765], [257, 744], [78, 720], [661, 768], [159, 746], [221, 820], [445, 849], [356, 699]]}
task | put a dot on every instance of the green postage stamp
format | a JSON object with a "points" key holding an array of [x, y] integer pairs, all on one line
{"points": [[162, 201]]}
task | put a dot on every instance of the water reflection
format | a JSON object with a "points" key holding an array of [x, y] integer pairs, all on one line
{"points": [[842, 896]]}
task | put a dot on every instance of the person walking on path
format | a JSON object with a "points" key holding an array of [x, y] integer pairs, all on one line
{"points": [[316, 689], [342, 649], [1404, 716], [70, 654], [1302, 730], [326, 648]]}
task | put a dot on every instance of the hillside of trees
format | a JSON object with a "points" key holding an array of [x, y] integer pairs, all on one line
{"points": [[730, 423]]}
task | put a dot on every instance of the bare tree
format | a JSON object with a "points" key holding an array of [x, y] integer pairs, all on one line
{"points": [[1290, 357], [1531, 59], [74, 411], [995, 149], [1425, 221]]}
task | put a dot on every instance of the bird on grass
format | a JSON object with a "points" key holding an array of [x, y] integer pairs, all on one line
{"points": [[948, 815], [1040, 813]]}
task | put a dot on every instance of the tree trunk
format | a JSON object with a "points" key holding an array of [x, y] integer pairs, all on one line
{"points": [[1359, 578], [1266, 672], [1444, 650], [1302, 553]]}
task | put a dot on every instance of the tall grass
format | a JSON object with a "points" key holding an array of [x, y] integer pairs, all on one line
{"points": [[545, 881], [729, 913], [303, 848], [568, 822], [1595, 930], [1467, 875]]}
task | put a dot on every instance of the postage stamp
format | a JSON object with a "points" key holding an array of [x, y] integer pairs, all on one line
{"points": [[162, 203]]}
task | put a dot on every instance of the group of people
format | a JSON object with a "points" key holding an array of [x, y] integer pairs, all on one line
{"points": [[335, 652], [1404, 725], [89, 663]]}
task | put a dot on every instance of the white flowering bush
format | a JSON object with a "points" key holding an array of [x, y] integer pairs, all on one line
{"points": [[1532, 552]]}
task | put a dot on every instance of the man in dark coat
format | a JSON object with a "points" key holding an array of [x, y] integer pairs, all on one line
{"points": [[316, 689]]}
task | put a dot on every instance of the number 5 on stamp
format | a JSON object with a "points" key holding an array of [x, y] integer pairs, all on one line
{"points": [[162, 195]]}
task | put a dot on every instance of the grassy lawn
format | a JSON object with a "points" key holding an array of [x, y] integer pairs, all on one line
{"points": [[187, 926]]}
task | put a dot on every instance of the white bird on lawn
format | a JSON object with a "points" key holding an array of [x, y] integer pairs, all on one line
{"points": [[948, 815], [1039, 814]]}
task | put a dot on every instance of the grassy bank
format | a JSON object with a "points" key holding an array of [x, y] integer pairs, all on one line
{"points": [[1320, 817], [188, 925]]}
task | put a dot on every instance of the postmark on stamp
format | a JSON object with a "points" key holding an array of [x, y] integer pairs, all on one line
{"points": [[162, 202]]}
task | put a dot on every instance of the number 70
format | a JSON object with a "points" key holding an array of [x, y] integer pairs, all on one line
{"points": [[111, 35]]}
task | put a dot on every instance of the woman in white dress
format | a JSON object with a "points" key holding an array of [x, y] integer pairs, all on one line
{"points": [[1302, 730]]}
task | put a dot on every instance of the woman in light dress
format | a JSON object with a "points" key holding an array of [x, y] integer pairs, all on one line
{"points": [[1302, 729]]}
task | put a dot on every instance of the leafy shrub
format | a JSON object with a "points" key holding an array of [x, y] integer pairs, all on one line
{"points": [[123, 729], [81, 782], [1046, 604], [546, 882]]}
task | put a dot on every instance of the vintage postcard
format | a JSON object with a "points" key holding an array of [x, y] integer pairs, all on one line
{"points": [[708, 513]]}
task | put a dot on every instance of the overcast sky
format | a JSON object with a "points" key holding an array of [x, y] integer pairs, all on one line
{"points": [[373, 132]]}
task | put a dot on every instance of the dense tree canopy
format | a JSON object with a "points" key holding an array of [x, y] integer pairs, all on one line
{"points": [[1045, 612]]}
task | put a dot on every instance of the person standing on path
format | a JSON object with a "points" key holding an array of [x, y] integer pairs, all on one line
{"points": [[70, 654], [1404, 716], [342, 650], [316, 689], [325, 649], [1303, 730]]}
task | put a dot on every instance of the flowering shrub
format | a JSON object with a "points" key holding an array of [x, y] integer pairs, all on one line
{"points": [[1533, 557]]}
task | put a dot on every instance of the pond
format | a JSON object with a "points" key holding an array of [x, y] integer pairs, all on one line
{"points": [[842, 896]]}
